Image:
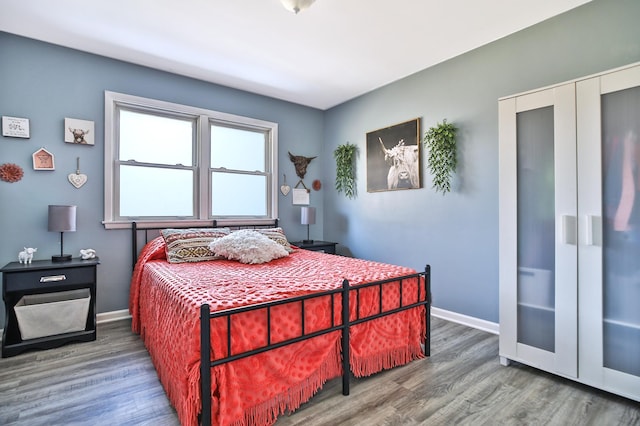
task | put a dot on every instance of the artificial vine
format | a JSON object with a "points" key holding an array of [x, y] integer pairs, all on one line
{"points": [[345, 173], [440, 140]]}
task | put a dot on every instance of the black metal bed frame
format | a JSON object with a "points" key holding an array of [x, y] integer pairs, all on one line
{"points": [[206, 363]]}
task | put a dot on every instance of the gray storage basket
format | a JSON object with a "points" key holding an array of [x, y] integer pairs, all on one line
{"points": [[49, 314]]}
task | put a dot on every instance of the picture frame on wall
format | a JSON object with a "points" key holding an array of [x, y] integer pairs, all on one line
{"points": [[393, 157], [79, 132], [15, 127], [43, 160]]}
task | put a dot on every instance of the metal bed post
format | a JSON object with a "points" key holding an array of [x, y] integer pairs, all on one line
{"points": [[427, 285], [134, 244], [346, 369], [205, 365]]}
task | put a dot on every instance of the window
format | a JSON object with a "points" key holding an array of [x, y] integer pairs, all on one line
{"points": [[171, 163]]}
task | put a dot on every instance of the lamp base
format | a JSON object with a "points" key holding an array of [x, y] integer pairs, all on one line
{"points": [[307, 241], [61, 258]]}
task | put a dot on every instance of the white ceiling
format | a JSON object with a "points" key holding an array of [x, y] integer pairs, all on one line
{"points": [[330, 53]]}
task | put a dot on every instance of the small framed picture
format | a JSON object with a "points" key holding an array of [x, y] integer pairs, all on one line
{"points": [[79, 132], [43, 160], [300, 197], [15, 127]]}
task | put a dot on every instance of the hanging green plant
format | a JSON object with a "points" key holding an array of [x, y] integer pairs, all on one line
{"points": [[440, 140], [345, 173]]}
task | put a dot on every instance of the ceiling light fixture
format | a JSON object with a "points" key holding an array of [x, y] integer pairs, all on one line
{"points": [[296, 6]]}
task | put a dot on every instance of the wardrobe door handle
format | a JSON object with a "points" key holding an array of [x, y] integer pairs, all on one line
{"points": [[569, 230], [593, 230]]}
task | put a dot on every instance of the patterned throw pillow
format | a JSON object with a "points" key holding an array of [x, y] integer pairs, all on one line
{"points": [[248, 246], [277, 235], [191, 245]]}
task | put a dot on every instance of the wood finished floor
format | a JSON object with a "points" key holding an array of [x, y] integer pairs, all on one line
{"points": [[112, 382]]}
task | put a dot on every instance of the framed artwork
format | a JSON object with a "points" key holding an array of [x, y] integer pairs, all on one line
{"points": [[300, 197], [393, 157], [43, 160], [15, 127], [79, 132]]}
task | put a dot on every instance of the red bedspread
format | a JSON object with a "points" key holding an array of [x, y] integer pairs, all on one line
{"points": [[165, 300]]}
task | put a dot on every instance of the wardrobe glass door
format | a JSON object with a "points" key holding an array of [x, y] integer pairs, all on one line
{"points": [[608, 120], [621, 231], [536, 228]]}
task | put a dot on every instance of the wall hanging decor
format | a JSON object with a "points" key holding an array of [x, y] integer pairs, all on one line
{"points": [[15, 127], [10, 172], [77, 179], [440, 140], [79, 132], [345, 169], [393, 157], [300, 163], [284, 188], [300, 197], [43, 160]]}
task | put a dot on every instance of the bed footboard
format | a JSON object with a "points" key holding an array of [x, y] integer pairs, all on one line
{"points": [[349, 295]]}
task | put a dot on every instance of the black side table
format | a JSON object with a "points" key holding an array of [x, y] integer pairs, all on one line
{"points": [[323, 246], [46, 278]]}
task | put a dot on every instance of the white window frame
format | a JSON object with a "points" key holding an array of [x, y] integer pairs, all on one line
{"points": [[202, 198]]}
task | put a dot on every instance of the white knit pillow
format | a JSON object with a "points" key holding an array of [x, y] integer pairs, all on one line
{"points": [[248, 246]]}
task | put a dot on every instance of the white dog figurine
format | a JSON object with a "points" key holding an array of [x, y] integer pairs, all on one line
{"points": [[26, 255], [87, 253]]}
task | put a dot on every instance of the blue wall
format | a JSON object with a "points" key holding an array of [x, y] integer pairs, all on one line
{"points": [[458, 233], [47, 83]]}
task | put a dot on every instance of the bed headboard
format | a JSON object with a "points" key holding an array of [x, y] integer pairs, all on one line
{"points": [[141, 234]]}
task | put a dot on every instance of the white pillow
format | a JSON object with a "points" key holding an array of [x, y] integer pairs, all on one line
{"points": [[248, 246]]}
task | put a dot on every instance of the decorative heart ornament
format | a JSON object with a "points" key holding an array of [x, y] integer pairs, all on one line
{"points": [[77, 179], [284, 188]]}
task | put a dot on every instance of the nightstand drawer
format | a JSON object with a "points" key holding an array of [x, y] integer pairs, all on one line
{"points": [[33, 280]]}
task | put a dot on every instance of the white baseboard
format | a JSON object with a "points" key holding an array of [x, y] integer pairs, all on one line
{"points": [[106, 317], [480, 324], [490, 327]]}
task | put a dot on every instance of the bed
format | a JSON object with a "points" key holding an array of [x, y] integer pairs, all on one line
{"points": [[238, 343]]}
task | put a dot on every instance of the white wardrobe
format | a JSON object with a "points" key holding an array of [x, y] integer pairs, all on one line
{"points": [[570, 230]]}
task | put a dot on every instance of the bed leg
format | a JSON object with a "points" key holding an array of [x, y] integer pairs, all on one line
{"points": [[346, 369], [205, 365], [427, 279], [134, 244]]}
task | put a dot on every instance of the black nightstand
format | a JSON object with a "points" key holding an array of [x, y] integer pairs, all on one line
{"points": [[48, 280], [323, 246]]}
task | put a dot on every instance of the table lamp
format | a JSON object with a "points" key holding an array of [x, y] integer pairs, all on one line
{"points": [[308, 217], [62, 219]]}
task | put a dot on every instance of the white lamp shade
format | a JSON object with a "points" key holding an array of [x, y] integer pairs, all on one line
{"points": [[296, 6], [62, 218], [308, 216]]}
